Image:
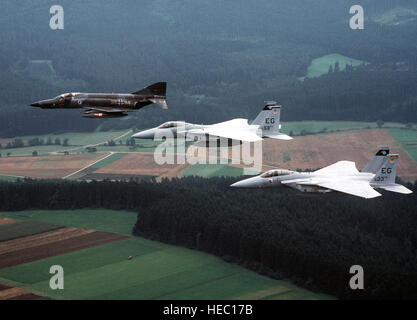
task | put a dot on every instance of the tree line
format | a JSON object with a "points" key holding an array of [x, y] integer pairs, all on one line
{"points": [[312, 240], [20, 143]]}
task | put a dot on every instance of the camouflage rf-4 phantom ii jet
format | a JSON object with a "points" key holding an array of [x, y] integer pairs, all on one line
{"points": [[341, 176], [108, 105]]}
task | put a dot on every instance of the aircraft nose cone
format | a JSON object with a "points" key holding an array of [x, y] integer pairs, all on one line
{"points": [[248, 183], [146, 134], [239, 184], [35, 104]]}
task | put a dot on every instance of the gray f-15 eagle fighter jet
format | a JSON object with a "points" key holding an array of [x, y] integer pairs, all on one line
{"points": [[266, 125], [342, 177], [108, 105]]}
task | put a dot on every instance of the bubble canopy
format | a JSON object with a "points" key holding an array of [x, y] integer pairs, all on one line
{"points": [[276, 173]]}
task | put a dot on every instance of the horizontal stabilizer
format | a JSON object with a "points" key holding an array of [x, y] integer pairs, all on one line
{"points": [[160, 103], [396, 188], [280, 136]]}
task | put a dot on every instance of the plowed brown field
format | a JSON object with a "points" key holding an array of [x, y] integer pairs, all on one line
{"points": [[142, 164], [43, 247], [11, 293], [4, 221], [41, 239], [46, 167], [4, 287]]}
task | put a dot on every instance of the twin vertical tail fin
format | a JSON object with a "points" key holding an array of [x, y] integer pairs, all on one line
{"points": [[268, 121], [385, 175], [377, 160]]}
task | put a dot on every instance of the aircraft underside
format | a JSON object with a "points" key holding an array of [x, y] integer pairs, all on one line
{"points": [[310, 189], [94, 113]]}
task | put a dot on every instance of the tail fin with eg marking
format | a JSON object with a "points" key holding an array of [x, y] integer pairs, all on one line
{"points": [[268, 121], [385, 175]]}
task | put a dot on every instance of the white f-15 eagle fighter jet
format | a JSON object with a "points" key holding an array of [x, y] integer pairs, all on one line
{"points": [[266, 125], [341, 176]]}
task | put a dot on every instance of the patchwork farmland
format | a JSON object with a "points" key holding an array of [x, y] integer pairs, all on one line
{"points": [[331, 142], [317, 151], [4, 221], [11, 293], [103, 261], [102, 264], [47, 167], [143, 165]]}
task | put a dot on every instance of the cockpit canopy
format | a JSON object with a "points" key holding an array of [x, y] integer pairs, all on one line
{"points": [[65, 95], [276, 173], [171, 124]]}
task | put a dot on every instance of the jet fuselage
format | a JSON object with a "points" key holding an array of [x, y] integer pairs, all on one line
{"points": [[266, 125], [108, 104], [76, 100], [278, 178]]}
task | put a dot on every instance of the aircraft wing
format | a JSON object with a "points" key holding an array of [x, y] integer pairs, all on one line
{"points": [[237, 129], [239, 122], [356, 188], [242, 135], [339, 168]]}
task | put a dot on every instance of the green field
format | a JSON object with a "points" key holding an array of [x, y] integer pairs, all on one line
{"points": [[25, 228], [126, 149], [112, 158], [156, 270], [41, 150], [115, 177], [317, 126], [142, 145], [100, 164], [4, 177], [77, 141], [98, 219], [407, 139], [320, 66], [212, 170], [81, 138]]}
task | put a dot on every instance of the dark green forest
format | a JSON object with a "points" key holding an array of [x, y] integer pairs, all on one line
{"points": [[311, 239], [221, 59]]}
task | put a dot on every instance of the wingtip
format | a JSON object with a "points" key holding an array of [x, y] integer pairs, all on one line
{"points": [[375, 195]]}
